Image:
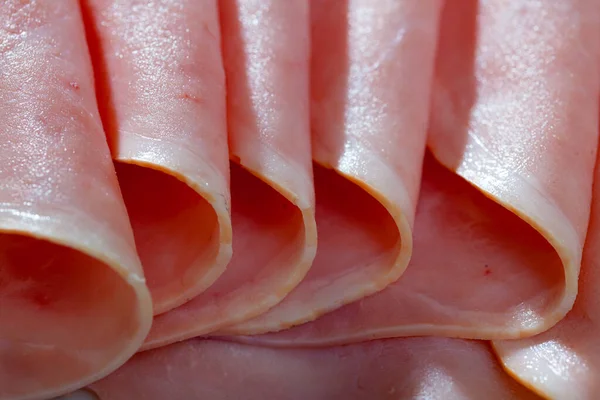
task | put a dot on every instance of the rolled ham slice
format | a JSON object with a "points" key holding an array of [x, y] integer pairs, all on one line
{"points": [[73, 303], [499, 230], [528, 144], [416, 368], [161, 88], [368, 143], [564, 362], [266, 53]]}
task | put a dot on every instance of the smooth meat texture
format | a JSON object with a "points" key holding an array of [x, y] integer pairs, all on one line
{"points": [[564, 362], [480, 237], [72, 290], [497, 242], [416, 368], [161, 88], [449, 211], [527, 140], [266, 52], [368, 142]]}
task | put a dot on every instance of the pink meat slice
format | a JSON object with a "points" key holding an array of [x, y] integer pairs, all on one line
{"points": [[416, 368], [73, 303], [266, 53], [528, 144], [161, 88], [368, 143], [499, 231], [564, 362]]}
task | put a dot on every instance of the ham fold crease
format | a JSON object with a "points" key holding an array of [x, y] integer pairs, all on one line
{"points": [[266, 53], [499, 231], [368, 145], [161, 88], [443, 151], [564, 362], [74, 305]]}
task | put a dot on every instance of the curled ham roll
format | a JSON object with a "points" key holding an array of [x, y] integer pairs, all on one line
{"points": [[393, 168], [266, 53], [564, 362], [73, 302], [368, 145], [161, 89], [505, 197]]}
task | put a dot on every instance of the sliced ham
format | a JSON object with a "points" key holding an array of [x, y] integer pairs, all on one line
{"points": [[368, 143], [162, 95], [497, 210], [73, 303], [564, 362], [528, 142], [498, 240], [416, 368], [266, 53]]}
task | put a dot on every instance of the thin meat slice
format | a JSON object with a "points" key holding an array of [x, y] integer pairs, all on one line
{"points": [[498, 240], [564, 362], [416, 368], [266, 52], [161, 89], [526, 138], [449, 211], [370, 91], [73, 303]]}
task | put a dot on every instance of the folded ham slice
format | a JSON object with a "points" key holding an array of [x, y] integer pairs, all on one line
{"points": [[369, 145], [162, 96], [533, 116], [498, 242], [416, 368], [564, 362], [266, 53], [73, 303]]}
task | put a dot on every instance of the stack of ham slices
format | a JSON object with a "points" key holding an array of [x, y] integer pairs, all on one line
{"points": [[299, 199]]}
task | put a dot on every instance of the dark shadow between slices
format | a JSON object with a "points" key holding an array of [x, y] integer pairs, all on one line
{"points": [[176, 233], [358, 248], [268, 247], [478, 271]]}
